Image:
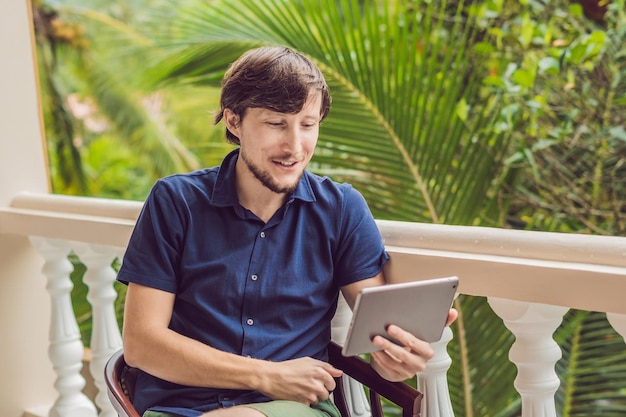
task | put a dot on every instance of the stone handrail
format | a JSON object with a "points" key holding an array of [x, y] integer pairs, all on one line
{"points": [[550, 268], [530, 278], [511, 264]]}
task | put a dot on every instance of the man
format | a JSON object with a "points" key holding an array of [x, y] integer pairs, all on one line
{"points": [[234, 271]]}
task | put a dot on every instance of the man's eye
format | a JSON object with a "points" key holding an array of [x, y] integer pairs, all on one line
{"points": [[275, 124]]}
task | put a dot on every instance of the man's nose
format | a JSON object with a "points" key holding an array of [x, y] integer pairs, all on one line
{"points": [[293, 140]]}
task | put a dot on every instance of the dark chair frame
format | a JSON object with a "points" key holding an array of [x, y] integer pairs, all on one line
{"points": [[120, 379]]}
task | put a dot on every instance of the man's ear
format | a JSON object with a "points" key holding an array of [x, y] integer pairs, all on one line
{"points": [[232, 121]]}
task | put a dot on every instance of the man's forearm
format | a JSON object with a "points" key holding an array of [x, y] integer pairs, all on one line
{"points": [[182, 360]]}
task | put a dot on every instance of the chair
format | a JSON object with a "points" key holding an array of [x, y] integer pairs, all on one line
{"points": [[120, 379]]}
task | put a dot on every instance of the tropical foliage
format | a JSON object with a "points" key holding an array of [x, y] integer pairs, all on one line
{"points": [[108, 135], [567, 79], [486, 112], [409, 118]]}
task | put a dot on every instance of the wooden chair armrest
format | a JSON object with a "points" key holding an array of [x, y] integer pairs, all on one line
{"points": [[399, 393], [120, 380]]}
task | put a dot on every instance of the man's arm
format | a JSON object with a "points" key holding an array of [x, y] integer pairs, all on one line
{"points": [[151, 345], [395, 362]]}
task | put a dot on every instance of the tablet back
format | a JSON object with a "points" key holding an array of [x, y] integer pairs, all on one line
{"points": [[419, 307]]}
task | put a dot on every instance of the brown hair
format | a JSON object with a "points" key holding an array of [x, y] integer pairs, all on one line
{"points": [[274, 78]]}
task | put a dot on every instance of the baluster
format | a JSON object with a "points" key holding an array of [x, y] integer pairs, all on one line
{"points": [[534, 352], [618, 321], [66, 349], [433, 381], [105, 333], [355, 395]]}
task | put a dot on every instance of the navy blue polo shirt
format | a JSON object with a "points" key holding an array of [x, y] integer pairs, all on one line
{"points": [[264, 290]]}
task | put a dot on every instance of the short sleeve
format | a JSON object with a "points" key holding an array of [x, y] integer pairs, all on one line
{"points": [[361, 253], [153, 253]]}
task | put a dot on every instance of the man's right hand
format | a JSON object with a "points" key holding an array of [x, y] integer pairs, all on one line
{"points": [[305, 380]]}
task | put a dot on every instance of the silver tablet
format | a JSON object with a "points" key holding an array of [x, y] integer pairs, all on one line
{"points": [[419, 307]]}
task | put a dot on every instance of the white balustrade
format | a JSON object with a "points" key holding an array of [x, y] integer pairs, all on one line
{"points": [[66, 349], [356, 399], [84, 225], [105, 333], [534, 352], [433, 381]]}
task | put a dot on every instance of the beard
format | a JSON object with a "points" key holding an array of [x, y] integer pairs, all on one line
{"points": [[266, 179]]}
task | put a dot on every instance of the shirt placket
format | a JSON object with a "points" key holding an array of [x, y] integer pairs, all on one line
{"points": [[250, 317]]}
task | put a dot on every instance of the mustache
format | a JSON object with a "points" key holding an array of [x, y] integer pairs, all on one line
{"points": [[289, 156]]}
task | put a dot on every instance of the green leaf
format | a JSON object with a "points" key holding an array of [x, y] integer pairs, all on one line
{"points": [[549, 65], [618, 132], [462, 110], [524, 78]]}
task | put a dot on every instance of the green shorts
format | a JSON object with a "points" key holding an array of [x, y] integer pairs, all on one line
{"points": [[280, 408]]}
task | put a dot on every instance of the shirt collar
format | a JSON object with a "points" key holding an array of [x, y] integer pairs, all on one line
{"points": [[225, 190]]}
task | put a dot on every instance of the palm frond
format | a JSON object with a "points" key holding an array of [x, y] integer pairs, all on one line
{"points": [[481, 376], [593, 366], [407, 110]]}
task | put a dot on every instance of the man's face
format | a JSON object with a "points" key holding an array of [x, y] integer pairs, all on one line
{"points": [[276, 147]]}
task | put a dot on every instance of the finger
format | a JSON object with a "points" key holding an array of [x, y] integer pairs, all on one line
{"points": [[330, 385], [388, 347], [329, 381], [453, 314], [322, 392], [401, 362], [325, 396], [326, 374], [403, 359], [395, 371], [407, 340], [332, 371]]}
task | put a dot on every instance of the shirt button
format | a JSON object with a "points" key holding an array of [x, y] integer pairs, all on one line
{"points": [[254, 277], [262, 235], [250, 322]]}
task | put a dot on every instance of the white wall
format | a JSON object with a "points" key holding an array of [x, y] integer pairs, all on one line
{"points": [[27, 379]]}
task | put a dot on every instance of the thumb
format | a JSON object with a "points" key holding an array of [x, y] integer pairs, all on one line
{"points": [[452, 316]]}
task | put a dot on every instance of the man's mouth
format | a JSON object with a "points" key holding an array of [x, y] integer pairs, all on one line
{"points": [[285, 163]]}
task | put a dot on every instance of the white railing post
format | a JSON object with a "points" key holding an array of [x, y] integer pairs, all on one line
{"points": [[534, 352], [105, 333], [433, 381], [618, 321], [66, 349], [355, 395]]}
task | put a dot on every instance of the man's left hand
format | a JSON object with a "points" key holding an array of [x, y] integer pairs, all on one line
{"points": [[398, 362]]}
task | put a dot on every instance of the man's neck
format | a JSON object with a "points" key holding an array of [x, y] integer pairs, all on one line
{"points": [[257, 198], [263, 203]]}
